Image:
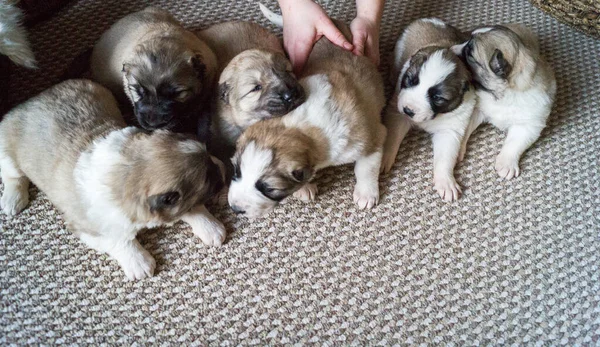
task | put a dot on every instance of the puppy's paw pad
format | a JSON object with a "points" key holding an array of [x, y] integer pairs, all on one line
{"points": [[308, 192], [447, 189], [139, 265], [365, 198], [507, 168], [13, 202], [213, 235]]}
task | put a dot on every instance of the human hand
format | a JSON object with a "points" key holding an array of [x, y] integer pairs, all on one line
{"points": [[365, 37], [304, 23]]}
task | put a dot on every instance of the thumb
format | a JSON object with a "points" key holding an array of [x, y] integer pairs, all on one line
{"points": [[332, 33], [359, 44]]}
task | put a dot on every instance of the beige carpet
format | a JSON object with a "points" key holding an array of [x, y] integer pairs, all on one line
{"points": [[510, 263]]}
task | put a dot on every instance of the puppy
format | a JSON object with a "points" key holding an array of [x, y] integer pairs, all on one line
{"points": [[108, 180], [164, 70], [13, 37], [339, 123], [256, 80], [433, 93], [515, 87]]}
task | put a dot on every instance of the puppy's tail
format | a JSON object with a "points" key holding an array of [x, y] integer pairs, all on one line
{"points": [[13, 37], [273, 17]]}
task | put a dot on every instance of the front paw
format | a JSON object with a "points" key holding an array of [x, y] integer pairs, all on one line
{"points": [[447, 188], [14, 200], [138, 265], [366, 197], [307, 193], [211, 234], [507, 168]]}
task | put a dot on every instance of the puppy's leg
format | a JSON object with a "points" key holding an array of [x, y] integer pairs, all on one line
{"points": [[397, 127], [204, 225], [308, 192], [16, 187], [518, 139], [446, 146], [474, 123], [366, 190], [135, 261]]}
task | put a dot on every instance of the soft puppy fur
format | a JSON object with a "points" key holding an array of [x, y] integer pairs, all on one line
{"points": [[515, 86], [255, 80], [108, 180], [13, 37], [433, 93], [339, 123], [165, 71]]}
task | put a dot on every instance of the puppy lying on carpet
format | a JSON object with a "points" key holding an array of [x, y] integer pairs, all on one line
{"points": [[339, 123], [164, 70], [515, 87], [433, 92], [109, 180]]}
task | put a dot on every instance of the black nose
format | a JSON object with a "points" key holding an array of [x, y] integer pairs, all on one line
{"points": [[287, 96], [152, 121], [237, 210], [408, 112]]}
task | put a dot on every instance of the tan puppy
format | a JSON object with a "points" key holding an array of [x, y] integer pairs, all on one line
{"points": [[515, 87], [165, 71], [256, 80], [339, 123], [109, 180]]}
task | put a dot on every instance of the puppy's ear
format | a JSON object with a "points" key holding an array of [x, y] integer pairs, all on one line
{"points": [[458, 49], [198, 65], [224, 89], [302, 175], [165, 200], [499, 65]]}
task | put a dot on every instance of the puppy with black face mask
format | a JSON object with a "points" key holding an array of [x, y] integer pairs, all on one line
{"points": [[165, 71], [515, 87], [108, 180], [433, 93], [256, 81]]}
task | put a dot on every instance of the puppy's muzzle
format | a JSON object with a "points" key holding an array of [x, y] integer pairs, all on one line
{"points": [[237, 210], [152, 120], [287, 100]]}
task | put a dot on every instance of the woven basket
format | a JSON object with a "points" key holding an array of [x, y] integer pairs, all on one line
{"points": [[581, 14]]}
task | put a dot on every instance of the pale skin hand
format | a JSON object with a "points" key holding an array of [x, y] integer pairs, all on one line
{"points": [[365, 28]]}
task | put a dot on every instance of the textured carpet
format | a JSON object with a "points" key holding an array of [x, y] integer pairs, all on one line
{"points": [[510, 263]]}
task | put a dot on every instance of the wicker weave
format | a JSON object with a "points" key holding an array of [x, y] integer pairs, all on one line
{"points": [[581, 14]]}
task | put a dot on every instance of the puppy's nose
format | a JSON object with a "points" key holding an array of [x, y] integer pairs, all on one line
{"points": [[408, 112], [287, 96], [237, 210]]}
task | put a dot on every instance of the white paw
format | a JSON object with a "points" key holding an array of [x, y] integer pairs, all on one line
{"points": [[14, 200], [212, 233], [308, 192], [447, 188], [138, 264], [387, 161], [366, 197], [507, 168]]}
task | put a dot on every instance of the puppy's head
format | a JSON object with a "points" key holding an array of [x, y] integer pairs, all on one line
{"points": [[164, 82], [432, 82], [163, 175], [259, 84], [498, 59], [270, 164]]}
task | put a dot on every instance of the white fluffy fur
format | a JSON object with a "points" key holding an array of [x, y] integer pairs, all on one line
{"points": [[13, 37]]}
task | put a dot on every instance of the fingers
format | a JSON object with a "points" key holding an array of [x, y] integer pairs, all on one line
{"points": [[299, 51], [333, 34], [359, 43]]}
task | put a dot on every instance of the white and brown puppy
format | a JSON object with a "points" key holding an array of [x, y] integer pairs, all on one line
{"points": [[433, 93], [515, 87], [339, 123], [165, 71], [255, 79], [108, 180]]}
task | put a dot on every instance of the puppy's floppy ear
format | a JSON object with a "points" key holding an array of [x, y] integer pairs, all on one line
{"points": [[302, 175], [197, 63], [499, 65], [224, 89], [458, 49]]}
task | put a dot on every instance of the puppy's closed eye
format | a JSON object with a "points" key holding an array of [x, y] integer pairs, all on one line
{"points": [[162, 201]]}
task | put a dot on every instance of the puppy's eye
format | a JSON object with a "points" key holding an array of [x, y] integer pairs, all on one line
{"points": [[165, 200], [437, 99], [256, 88], [182, 95], [267, 191], [409, 81]]}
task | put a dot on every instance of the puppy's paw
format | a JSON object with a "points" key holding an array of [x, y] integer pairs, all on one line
{"points": [[138, 265], [220, 199], [212, 233], [447, 188], [307, 193], [14, 199], [387, 161], [366, 197], [507, 168]]}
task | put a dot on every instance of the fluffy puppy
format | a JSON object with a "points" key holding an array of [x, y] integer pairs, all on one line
{"points": [[108, 180], [433, 93], [165, 71], [339, 123], [255, 79], [13, 37], [515, 87]]}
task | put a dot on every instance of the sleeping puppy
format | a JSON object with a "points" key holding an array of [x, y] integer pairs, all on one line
{"points": [[108, 180], [515, 87], [165, 71], [256, 80], [339, 123], [433, 93]]}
